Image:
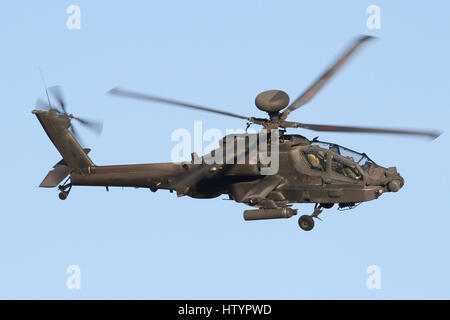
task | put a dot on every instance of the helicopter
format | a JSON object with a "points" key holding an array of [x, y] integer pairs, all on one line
{"points": [[309, 171]]}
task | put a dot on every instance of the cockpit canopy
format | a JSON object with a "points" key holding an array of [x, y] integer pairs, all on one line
{"points": [[360, 158]]}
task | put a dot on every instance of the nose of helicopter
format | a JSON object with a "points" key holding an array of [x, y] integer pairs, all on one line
{"points": [[395, 180]]}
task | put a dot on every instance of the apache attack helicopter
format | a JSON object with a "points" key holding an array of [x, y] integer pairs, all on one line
{"points": [[309, 171]]}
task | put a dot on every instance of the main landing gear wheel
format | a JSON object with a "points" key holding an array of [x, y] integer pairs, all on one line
{"points": [[306, 222]]}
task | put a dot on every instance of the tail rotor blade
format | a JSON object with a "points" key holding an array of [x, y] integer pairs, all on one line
{"points": [[95, 126], [42, 104], [56, 91], [75, 134]]}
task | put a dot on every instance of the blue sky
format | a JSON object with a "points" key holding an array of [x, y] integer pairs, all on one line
{"points": [[136, 244]]}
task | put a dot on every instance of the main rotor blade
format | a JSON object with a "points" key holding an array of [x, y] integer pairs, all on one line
{"points": [[146, 97], [95, 126], [312, 90], [57, 93], [332, 128]]}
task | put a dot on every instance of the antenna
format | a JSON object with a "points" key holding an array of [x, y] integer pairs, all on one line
{"points": [[45, 88]]}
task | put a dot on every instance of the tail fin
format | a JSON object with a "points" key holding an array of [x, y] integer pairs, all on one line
{"points": [[75, 158]]}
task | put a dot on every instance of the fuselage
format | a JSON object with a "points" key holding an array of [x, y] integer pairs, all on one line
{"points": [[338, 175]]}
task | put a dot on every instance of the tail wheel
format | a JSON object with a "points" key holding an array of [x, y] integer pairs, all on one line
{"points": [[63, 195], [306, 222]]}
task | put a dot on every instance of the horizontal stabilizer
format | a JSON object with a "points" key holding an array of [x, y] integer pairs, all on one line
{"points": [[59, 172], [55, 176]]}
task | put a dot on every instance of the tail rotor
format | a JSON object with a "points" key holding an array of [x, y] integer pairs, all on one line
{"points": [[60, 107]]}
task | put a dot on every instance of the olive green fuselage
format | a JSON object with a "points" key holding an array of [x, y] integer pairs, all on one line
{"points": [[296, 181], [306, 171]]}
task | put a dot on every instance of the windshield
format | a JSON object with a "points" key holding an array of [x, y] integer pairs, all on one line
{"points": [[360, 158]]}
